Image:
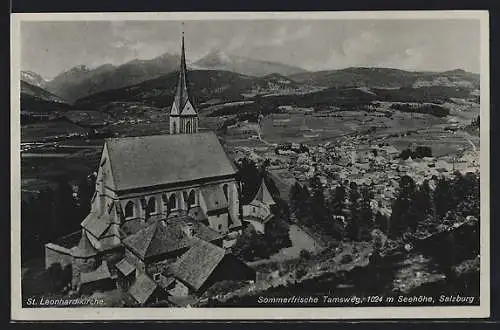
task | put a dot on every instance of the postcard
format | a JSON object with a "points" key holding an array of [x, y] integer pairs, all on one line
{"points": [[251, 166]]}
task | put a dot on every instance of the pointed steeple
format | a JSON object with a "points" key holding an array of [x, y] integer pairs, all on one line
{"points": [[183, 116], [181, 94], [263, 195]]}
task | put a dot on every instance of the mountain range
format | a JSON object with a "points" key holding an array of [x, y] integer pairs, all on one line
{"points": [[208, 87], [81, 81], [222, 61], [216, 76]]}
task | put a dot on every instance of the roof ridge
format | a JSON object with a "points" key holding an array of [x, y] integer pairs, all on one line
{"points": [[155, 135]]}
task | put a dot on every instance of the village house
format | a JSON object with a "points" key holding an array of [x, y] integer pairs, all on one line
{"points": [[160, 203]]}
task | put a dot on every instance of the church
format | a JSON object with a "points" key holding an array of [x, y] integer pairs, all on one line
{"points": [[159, 201]]}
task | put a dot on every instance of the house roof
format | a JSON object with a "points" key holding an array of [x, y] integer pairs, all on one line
{"points": [[84, 248], [263, 195], [147, 161], [214, 198], [198, 263], [96, 224], [101, 273], [168, 235], [125, 267], [142, 288]]}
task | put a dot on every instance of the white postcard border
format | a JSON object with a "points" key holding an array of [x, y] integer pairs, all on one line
{"points": [[311, 313]]}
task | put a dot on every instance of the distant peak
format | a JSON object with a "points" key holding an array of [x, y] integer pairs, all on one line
{"points": [[81, 67]]}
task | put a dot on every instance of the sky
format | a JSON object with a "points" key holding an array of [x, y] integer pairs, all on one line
{"points": [[49, 48]]}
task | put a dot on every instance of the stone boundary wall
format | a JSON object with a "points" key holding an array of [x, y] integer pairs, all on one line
{"points": [[56, 254]]}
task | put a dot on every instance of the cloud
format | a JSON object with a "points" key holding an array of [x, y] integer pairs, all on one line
{"points": [[251, 39]]}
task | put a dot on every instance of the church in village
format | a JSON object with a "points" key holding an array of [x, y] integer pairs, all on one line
{"points": [[164, 214]]}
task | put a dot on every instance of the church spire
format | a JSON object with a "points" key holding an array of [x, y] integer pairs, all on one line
{"points": [[181, 94], [183, 116]]}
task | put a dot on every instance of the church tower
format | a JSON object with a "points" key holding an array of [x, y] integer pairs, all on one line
{"points": [[183, 116]]}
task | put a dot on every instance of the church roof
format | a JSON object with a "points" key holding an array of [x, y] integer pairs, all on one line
{"points": [[181, 104], [167, 236], [147, 161], [263, 195], [198, 263]]}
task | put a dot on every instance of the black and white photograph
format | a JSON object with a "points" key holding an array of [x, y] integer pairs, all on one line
{"points": [[258, 165]]}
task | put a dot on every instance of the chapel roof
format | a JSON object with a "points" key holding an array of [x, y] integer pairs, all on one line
{"points": [[197, 264], [168, 235]]}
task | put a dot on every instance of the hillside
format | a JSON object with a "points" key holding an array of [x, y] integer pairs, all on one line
{"points": [[221, 61], [387, 78], [204, 85], [81, 81], [36, 99]]}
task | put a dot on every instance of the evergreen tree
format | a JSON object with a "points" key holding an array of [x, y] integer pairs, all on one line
{"points": [[442, 198], [366, 214], [250, 178], [353, 226], [381, 222], [338, 204], [403, 216], [423, 203], [318, 209]]}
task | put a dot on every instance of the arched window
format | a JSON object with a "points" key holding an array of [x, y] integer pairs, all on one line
{"points": [[172, 202], [188, 127], [129, 210], [191, 198], [226, 193], [174, 127], [151, 209]]}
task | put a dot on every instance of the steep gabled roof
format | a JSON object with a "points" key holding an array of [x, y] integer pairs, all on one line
{"points": [[142, 288], [147, 161], [125, 267], [168, 235], [263, 195], [84, 249], [197, 264], [101, 273], [96, 224]]}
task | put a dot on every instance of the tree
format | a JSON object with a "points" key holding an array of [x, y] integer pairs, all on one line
{"points": [[442, 198], [353, 227], [251, 245], [277, 234], [403, 216], [250, 178], [366, 214], [423, 202], [318, 209], [381, 222]]}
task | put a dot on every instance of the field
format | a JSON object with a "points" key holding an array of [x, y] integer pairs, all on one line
{"points": [[314, 129]]}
